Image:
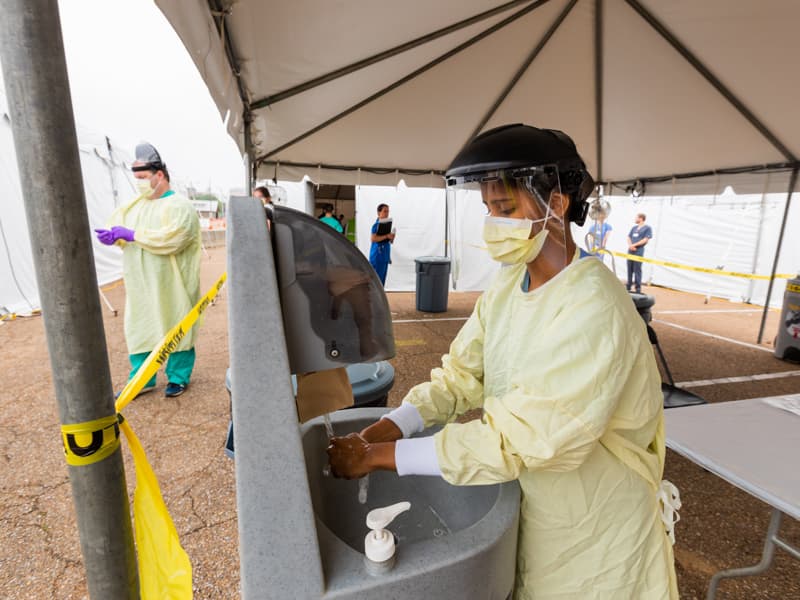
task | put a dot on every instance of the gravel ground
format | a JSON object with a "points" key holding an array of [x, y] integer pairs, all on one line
{"points": [[721, 526]]}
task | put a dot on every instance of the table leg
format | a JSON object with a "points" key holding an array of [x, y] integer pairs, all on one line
{"points": [[766, 556]]}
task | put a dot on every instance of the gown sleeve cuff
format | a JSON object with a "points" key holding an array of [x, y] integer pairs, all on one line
{"points": [[416, 456], [407, 419]]}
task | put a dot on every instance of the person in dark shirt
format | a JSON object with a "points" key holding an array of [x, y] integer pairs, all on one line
{"points": [[638, 237]]}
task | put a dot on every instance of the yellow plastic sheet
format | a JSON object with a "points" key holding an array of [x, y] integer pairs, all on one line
{"points": [[165, 572]]}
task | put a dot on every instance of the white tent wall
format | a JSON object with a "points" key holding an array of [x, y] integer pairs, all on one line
{"points": [[733, 232], [102, 175], [419, 216]]}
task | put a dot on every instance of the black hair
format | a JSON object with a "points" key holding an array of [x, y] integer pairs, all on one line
{"points": [[382, 206]]}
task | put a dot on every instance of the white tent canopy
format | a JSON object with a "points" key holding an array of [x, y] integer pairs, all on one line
{"points": [[656, 95], [375, 90]]}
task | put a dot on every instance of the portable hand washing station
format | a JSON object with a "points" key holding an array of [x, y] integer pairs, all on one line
{"points": [[303, 300]]}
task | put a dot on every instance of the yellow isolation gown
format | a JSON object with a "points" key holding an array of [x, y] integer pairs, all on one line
{"points": [[161, 268], [572, 408]]}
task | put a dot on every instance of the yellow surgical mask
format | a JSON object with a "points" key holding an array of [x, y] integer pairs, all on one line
{"points": [[143, 187], [508, 240]]}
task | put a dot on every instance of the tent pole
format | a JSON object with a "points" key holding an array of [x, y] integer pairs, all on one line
{"points": [[792, 182], [598, 84], [446, 224], [35, 73], [250, 165]]}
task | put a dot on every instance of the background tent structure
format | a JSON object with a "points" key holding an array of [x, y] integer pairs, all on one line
{"points": [[373, 88], [106, 181], [371, 91]]}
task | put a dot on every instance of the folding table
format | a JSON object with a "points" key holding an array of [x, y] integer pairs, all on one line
{"points": [[752, 445]]}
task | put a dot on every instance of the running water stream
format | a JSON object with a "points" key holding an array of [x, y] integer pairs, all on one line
{"points": [[326, 470], [363, 483]]}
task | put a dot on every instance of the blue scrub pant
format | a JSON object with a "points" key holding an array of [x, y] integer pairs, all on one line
{"points": [[179, 366], [634, 276], [381, 268]]}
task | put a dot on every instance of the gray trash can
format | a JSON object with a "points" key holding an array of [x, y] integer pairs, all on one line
{"points": [[433, 283], [643, 304]]}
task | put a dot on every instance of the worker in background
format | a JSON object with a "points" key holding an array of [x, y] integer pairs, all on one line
{"points": [[638, 237], [159, 233], [262, 193], [330, 220], [579, 425], [380, 250]]}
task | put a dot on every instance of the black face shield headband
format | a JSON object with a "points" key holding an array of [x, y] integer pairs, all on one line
{"points": [[153, 167]]}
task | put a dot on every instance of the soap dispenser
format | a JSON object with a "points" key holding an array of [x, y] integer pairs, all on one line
{"points": [[379, 544]]}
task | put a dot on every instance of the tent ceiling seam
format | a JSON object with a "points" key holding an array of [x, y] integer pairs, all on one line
{"points": [[763, 168], [701, 68], [521, 71], [373, 170], [381, 56], [441, 58]]}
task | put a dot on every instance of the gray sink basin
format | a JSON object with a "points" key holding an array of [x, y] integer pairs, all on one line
{"points": [[455, 542]]}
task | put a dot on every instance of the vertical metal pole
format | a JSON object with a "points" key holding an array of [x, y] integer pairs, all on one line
{"points": [[792, 182], [598, 84], [446, 224], [35, 73], [250, 165]]}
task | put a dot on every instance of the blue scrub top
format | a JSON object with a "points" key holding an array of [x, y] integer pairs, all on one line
{"points": [[380, 252], [638, 234]]}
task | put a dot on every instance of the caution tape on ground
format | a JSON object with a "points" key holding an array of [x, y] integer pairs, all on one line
{"points": [[674, 265], [165, 570]]}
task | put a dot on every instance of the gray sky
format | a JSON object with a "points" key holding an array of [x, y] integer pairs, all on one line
{"points": [[132, 79]]}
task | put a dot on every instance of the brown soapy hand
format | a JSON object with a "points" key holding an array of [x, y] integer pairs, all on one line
{"points": [[349, 456]]}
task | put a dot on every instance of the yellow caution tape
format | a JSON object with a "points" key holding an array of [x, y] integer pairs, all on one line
{"points": [[402, 343], [161, 352], [90, 442], [675, 265]]}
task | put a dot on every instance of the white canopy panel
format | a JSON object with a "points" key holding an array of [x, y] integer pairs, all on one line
{"points": [[684, 86]]}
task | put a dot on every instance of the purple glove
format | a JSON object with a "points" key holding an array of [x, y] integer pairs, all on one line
{"points": [[105, 236], [122, 233]]}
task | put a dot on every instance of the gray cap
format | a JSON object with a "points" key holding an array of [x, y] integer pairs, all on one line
{"points": [[147, 154]]}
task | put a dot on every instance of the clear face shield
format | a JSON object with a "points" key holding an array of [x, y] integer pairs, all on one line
{"points": [[506, 215]]}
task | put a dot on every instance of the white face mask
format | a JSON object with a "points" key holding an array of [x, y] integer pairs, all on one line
{"points": [[508, 240]]}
